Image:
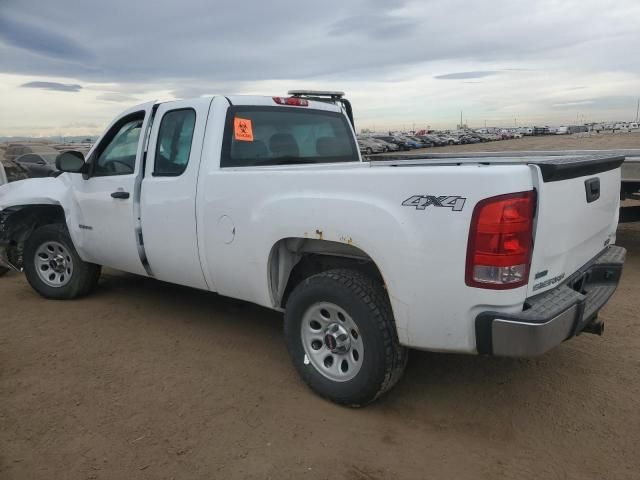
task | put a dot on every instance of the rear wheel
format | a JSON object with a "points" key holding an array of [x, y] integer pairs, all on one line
{"points": [[341, 337], [53, 267]]}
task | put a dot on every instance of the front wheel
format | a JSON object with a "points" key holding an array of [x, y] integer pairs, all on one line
{"points": [[53, 267], [341, 336]]}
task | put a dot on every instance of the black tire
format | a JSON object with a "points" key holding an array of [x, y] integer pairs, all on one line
{"points": [[365, 300], [84, 276], [369, 151], [3, 271]]}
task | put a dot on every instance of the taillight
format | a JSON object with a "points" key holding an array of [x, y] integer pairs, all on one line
{"points": [[501, 241], [293, 101]]}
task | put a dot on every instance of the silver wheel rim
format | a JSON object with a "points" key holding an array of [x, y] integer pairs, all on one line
{"points": [[54, 264], [332, 341]]}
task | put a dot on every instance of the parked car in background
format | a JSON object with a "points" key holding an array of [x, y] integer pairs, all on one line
{"points": [[442, 140], [410, 142], [16, 150], [466, 139], [422, 141], [402, 144], [369, 147], [388, 147], [450, 139], [38, 164]]}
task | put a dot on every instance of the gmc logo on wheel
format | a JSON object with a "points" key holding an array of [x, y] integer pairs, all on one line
{"points": [[420, 202]]}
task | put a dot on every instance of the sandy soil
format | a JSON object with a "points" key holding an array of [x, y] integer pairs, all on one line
{"points": [[147, 380]]}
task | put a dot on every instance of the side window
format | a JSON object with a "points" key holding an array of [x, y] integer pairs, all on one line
{"points": [[174, 143], [119, 155]]}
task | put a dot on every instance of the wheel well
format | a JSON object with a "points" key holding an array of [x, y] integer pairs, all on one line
{"points": [[294, 259], [17, 223]]}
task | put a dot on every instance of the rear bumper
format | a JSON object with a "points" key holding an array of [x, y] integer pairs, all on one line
{"points": [[553, 316]]}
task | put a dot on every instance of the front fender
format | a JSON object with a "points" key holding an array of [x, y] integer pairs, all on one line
{"points": [[33, 191], [44, 191]]}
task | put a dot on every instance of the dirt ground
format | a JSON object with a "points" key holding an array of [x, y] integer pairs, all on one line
{"points": [[147, 380], [551, 142]]}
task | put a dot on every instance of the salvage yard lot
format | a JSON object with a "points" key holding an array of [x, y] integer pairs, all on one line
{"points": [[143, 379]]}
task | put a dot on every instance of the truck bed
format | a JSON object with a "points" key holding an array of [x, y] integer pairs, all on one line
{"points": [[630, 167], [554, 166]]}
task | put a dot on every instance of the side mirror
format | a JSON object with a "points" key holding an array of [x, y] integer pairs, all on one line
{"points": [[71, 161]]}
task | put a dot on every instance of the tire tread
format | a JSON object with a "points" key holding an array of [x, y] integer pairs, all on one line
{"points": [[373, 295]]}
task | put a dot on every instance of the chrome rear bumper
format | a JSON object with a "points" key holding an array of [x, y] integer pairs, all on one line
{"points": [[553, 316]]}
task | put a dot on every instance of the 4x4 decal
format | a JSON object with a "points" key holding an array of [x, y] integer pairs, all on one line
{"points": [[420, 202]]}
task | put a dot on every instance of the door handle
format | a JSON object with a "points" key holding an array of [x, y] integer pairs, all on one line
{"points": [[592, 187], [120, 194]]}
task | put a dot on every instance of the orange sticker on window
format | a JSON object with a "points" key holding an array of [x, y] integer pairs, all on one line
{"points": [[242, 129]]}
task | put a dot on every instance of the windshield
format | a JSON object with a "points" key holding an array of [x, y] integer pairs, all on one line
{"points": [[284, 136]]}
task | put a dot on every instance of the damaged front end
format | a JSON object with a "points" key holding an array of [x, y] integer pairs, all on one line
{"points": [[10, 247], [16, 225]]}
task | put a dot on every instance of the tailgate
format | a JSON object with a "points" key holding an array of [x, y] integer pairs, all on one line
{"points": [[577, 217]]}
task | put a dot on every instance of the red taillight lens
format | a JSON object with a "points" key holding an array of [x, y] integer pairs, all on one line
{"points": [[501, 241], [293, 101]]}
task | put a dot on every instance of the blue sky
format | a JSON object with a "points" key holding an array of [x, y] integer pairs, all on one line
{"points": [[67, 67]]}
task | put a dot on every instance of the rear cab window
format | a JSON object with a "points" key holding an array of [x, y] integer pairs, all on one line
{"points": [[262, 135], [174, 142]]}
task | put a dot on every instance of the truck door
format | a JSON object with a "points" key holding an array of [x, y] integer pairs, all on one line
{"points": [[168, 199], [106, 195]]}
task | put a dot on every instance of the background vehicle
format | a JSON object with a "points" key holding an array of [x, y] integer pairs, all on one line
{"points": [[402, 144], [273, 204], [412, 143], [387, 147], [424, 143], [38, 164], [369, 147], [450, 139], [435, 140], [14, 151]]}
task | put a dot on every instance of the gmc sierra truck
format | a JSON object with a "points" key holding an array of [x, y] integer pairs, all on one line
{"points": [[267, 199]]}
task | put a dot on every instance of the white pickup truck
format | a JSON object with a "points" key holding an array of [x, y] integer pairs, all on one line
{"points": [[266, 199]]}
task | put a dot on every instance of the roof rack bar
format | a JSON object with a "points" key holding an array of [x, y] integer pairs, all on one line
{"points": [[316, 93], [326, 96]]}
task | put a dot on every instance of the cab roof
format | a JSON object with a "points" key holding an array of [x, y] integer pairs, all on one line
{"points": [[268, 101]]}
